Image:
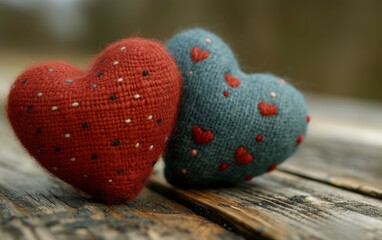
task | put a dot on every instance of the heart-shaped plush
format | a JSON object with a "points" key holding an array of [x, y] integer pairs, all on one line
{"points": [[103, 129], [231, 126]]}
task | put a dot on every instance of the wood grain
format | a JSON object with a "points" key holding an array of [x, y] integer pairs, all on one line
{"points": [[64, 215], [284, 206], [356, 168], [345, 120]]}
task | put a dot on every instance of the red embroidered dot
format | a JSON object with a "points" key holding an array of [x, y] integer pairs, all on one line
{"points": [[248, 178], [198, 55], [272, 167], [225, 94], [194, 152], [307, 118], [202, 136], [242, 156], [223, 166], [183, 171], [232, 81], [267, 109], [300, 139], [259, 138]]}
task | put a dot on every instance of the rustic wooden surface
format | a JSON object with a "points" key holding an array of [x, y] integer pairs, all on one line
{"points": [[331, 189], [353, 167], [285, 206]]}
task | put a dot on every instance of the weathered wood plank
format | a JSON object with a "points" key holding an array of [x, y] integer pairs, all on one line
{"points": [[345, 120], [285, 206], [54, 211], [34, 205], [357, 168], [151, 216], [343, 147]]}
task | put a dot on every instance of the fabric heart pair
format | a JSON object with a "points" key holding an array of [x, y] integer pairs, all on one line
{"points": [[103, 129]]}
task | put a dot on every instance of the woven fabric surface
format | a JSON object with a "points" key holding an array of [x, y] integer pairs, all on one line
{"points": [[231, 126], [101, 129]]}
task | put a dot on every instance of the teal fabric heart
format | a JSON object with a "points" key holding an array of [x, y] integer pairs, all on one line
{"points": [[231, 126]]}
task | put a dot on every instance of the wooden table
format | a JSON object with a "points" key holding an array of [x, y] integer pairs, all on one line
{"points": [[331, 189]]}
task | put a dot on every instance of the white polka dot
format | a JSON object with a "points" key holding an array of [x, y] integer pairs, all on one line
{"points": [[208, 40], [72, 159], [94, 85], [137, 145], [190, 72], [123, 48], [115, 62], [273, 94], [120, 80], [151, 147], [75, 104], [39, 94], [85, 176], [110, 180], [54, 108], [128, 120], [50, 69], [150, 117], [55, 168], [67, 135], [282, 81], [137, 96], [69, 81]]}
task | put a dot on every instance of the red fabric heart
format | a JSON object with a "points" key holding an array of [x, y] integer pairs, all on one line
{"points": [[198, 55], [267, 109], [101, 130], [232, 81], [242, 156], [201, 136]]}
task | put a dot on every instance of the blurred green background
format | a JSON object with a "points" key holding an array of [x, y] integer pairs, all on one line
{"points": [[328, 46]]}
